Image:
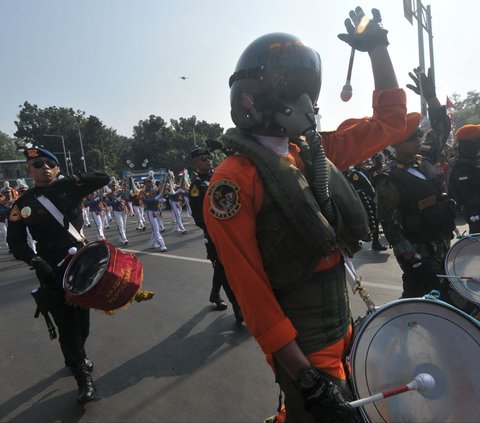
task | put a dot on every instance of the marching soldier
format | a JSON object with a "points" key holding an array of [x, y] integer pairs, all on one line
{"points": [[279, 225], [412, 206], [464, 178], [202, 160], [360, 181], [53, 243]]}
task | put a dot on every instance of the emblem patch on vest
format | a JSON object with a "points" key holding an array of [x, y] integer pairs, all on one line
{"points": [[15, 214], [194, 192], [224, 199]]}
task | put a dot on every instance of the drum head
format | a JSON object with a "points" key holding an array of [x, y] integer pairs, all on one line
{"points": [[411, 336], [86, 268], [463, 259]]}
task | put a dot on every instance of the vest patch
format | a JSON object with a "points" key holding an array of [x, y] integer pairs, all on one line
{"points": [[194, 192], [224, 199], [15, 215]]}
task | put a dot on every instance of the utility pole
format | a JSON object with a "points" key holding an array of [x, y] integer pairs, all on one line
{"points": [[423, 15]]}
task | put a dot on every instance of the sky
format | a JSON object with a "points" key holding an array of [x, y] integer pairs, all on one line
{"points": [[121, 60]]}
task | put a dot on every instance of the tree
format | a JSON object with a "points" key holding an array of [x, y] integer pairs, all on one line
{"points": [[102, 146], [466, 111], [8, 148], [170, 146]]}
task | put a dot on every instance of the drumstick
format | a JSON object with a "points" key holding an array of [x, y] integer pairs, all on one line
{"points": [[421, 382], [346, 93], [71, 251], [475, 278]]}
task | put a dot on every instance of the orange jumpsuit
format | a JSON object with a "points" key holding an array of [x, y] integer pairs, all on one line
{"points": [[234, 233]]}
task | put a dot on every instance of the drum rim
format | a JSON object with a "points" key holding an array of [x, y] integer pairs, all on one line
{"points": [[455, 283], [75, 259], [355, 345]]}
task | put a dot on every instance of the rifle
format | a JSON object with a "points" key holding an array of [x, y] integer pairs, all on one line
{"points": [[40, 296]]}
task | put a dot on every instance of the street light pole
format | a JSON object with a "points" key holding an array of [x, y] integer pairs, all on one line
{"points": [[81, 145], [64, 149], [103, 155]]}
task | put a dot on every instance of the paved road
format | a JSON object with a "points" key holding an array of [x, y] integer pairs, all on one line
{"points": [[172, 359]]}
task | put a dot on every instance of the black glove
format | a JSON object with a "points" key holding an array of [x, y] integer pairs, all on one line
{"points": [[43, 270], [327, 404], [364, 34], [424, 84]]}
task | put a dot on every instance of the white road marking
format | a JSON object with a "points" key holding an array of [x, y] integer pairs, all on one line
{"points": [[171, 256], [159, 254]]}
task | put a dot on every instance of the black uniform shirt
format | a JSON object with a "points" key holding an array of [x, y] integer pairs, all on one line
{"points": [[53, 240], [197, 192]]}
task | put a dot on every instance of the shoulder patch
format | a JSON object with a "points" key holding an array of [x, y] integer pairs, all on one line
{"points": [[194, 192], [15, 214], [224, 199]]}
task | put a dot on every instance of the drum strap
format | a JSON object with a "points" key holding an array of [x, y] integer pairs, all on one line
{"points": [[60, 218]]}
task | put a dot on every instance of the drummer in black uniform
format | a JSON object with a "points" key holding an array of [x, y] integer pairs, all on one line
{"points": [[202, 160], [416, 216], [53, 243], [464, 178]]}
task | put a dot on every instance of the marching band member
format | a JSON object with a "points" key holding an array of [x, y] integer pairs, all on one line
{"points": [[85, 213], [53, 241], [117, 201], [152, 200], [137, 205], [4, 210], [176, 197], [95, 206], [280, 226]]}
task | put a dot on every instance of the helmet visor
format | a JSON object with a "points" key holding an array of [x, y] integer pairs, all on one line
{"points": [[292, 69]]}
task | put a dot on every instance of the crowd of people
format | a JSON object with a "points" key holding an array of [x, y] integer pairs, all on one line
{"points": [[276, 230]]}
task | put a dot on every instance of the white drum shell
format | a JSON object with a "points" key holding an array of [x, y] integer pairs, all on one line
{"points": [[410, 336], [463, 259]]}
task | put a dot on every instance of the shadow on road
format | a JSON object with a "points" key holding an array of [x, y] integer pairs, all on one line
{"points": [[177, 356], [181, 353]]}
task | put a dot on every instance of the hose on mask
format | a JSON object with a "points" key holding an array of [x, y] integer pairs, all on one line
{"points": [[320, 175]]}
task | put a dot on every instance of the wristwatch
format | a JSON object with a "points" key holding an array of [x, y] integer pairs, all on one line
{"points": [[308, 378]]}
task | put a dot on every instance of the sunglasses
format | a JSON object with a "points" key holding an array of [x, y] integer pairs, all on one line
{"points": [[206, 158], [38, 164]]}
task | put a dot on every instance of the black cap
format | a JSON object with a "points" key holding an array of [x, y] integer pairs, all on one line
{"points": [[199, 151]]}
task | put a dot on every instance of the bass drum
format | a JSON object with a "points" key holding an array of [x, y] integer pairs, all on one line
{"points": [[406, 337], [103, 277], [463, 259]]}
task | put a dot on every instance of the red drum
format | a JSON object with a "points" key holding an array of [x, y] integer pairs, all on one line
{"points": [[407, 337], [103, 277]]}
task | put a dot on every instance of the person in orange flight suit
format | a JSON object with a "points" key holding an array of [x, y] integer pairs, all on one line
{"points": [[281, 243]]}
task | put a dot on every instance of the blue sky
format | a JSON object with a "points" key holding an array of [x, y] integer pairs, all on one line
{"points": [[121, 60]]}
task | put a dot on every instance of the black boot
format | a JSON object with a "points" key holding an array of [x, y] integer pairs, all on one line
{"points": [[221, 305], [88, 363], [377, 246], [86, 387]]}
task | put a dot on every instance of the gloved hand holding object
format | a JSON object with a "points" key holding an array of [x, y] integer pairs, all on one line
{"points": [[363, 33]]}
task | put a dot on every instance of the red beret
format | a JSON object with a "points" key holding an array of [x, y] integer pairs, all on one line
{"points": [[413, 122], [468, 133]]}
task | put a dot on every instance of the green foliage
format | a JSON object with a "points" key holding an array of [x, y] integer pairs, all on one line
{"points": [[170, 146], [466, 111], [104, 149], [8, 148], [165, 145]]}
